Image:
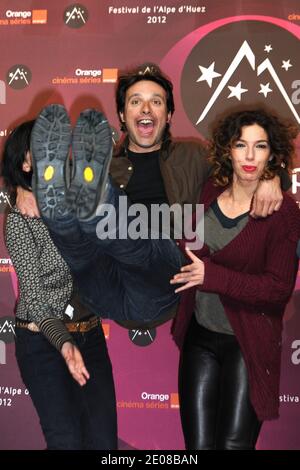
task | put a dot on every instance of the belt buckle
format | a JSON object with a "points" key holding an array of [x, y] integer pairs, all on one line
{"points": [[91, 324], [94, 322], [85, 326]]}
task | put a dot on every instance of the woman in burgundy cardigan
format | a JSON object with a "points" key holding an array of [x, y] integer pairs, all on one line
{"points": [[236, 289]]}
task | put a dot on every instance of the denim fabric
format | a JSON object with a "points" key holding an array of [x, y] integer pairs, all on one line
{"points": [[71, 417], [120, 279]]}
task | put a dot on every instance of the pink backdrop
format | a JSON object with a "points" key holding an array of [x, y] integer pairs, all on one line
{"points": [[71, 53]]}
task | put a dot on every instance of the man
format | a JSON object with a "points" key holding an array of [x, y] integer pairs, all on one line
{"points": [[149, 166]]}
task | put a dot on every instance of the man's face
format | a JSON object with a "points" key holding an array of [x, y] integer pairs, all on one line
{"points": [[145, 116]]}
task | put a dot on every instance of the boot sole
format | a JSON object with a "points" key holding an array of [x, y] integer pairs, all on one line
{"points": [[92, 152], [50, 144]]}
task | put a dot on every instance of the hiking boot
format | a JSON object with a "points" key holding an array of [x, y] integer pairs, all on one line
{"points": [[50, 144], [91, 153]]}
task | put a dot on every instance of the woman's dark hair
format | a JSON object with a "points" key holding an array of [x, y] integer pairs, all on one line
{"points": [[147, 71], [15, 149], [228, 131]]}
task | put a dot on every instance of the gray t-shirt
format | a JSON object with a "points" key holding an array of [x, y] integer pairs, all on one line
{"points": [[219, 230]]}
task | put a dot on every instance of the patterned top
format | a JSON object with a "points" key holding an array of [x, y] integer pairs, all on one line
{"points": [[45, 282]]}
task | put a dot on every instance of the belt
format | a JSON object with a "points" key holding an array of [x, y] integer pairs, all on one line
{"points": [[72, 326]]}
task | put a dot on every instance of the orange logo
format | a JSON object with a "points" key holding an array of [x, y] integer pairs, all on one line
{"points": [[174, 400], [109, 75], [39, 16]]}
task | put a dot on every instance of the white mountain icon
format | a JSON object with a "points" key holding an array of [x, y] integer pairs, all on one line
{"points": [[246, 52], [19, 74], [76, 12]]}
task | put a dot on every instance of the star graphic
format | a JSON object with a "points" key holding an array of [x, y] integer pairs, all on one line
{"points": [[286, 64], [208, 74], [236, 91], [268, 48], [265, 89]]}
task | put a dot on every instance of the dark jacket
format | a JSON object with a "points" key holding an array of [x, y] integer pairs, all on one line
{"points": [[183, 165]]}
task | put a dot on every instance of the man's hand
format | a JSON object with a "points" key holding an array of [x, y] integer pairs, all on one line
{"points": [[26, 203], [75, 364], [267, 198], [191, 274]]}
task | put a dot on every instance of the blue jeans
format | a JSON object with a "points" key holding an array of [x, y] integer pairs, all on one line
{"points": [[71, 417], [120, 279]]}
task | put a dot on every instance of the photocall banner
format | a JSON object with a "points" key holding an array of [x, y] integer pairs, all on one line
{"points": [[220, 56]]}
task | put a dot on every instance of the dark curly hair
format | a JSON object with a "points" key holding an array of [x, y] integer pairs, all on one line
{"points": [[147, 71], [228, 131]]}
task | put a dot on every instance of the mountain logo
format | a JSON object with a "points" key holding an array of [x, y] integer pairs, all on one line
{"points": [[142, 337], [244, 64], [76, 15], [7, 329], [18, 77], [4, 200]]}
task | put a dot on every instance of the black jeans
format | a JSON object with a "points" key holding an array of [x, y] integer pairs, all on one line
{"points": [[71, 417], [216, 412]]}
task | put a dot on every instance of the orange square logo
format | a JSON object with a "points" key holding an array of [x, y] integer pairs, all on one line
{"points": [[109, 75], [39, 16], [106, 329], [174, 401]]}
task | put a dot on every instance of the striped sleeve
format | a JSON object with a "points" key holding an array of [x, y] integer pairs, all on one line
{"points": [[56, 332]]}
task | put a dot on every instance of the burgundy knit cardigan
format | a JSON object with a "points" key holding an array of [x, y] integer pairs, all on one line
{"points": [[254, 276]]}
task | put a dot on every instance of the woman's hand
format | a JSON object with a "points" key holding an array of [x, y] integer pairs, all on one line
{"points": [[26, 203], [74, 361], [191, 275]]}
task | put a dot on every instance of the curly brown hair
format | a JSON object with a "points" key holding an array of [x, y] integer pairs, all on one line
{"points": [[281, 137]]}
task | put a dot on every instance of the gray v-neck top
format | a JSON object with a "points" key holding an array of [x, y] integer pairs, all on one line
{"points": [[219, 230]]}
